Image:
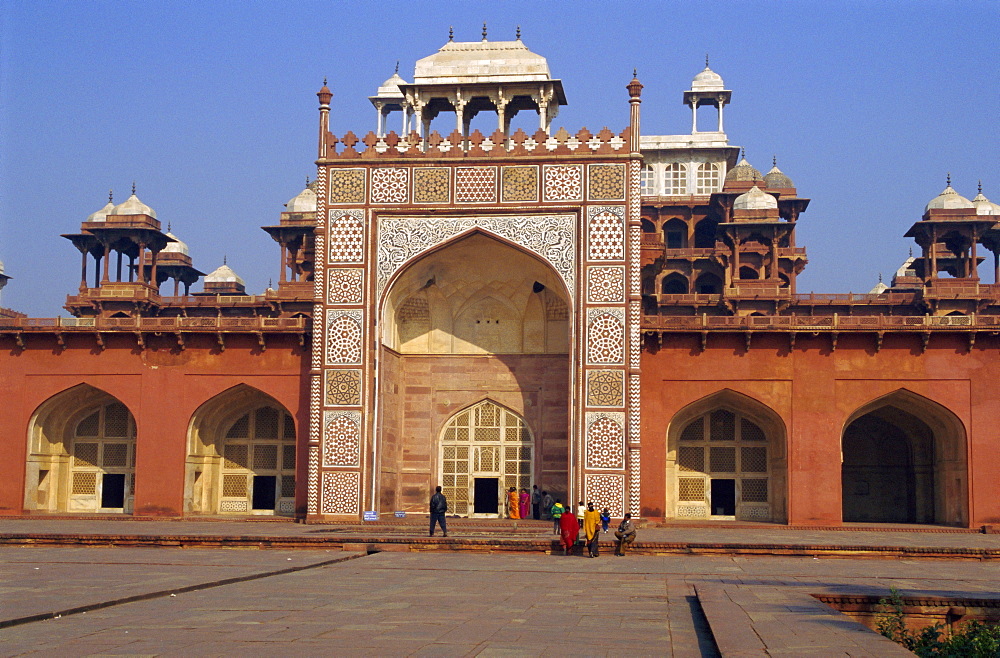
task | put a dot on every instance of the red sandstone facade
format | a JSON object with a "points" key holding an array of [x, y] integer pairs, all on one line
{"points": [[609, 316]]}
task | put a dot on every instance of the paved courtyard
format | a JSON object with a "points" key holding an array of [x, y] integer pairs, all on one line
{"points": [[439, 604]]}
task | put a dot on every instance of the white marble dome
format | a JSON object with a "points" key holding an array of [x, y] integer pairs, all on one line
{"points": [[176, 247], [755, 199], [390, 88], [949, 199], [984, 206], [224, 274], [707, 80], [304, 201], [132, 206], [102, 214]]}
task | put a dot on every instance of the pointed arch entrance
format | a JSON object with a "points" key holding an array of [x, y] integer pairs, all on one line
{"points": [[241, 455], [81, 454], [485, 450], [474, 341], [726, 459], [904, 461]]}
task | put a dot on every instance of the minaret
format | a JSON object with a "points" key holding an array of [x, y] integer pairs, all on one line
{"points": [[325, 95]]}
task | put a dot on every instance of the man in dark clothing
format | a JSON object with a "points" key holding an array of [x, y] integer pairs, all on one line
{"points": [[439, 505], [536, 503], [625, 534]]}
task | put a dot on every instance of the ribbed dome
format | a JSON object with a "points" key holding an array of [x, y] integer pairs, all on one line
{"points": [[176, 247], [102, 214], [390, 88], [984, 206], [707, 80], [132, 206], [224, 274], [776, 179], [744, 171], [949, 199], [755, 199], [304, 201]]}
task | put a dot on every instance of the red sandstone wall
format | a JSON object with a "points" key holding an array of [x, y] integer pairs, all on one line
{"points": [[162, 387], [815, 390], [434, 388]]}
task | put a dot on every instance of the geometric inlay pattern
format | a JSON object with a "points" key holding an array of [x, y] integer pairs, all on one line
{"points": [[340, 492], [343, 388], [563, 182], [606, 284], [347, 186], [347, 236], [606, 336], [550, 236], [605, 388], [475, 184], [606, 439], [520, 183], [343, 337], [345, 285], [430, 185], [390, 185], [341, 438], [607, 182], [606, 233], [606, 491]]}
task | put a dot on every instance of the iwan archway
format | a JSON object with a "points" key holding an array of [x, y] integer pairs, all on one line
{"points": [[81, 454], [474, 339], [904, 461]]}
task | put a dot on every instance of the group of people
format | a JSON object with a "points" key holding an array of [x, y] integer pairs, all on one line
{"points": [[593, 523], [565, 523]]}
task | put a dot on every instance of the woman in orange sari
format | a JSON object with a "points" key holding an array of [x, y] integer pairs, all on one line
{"points": [[513, 504]]}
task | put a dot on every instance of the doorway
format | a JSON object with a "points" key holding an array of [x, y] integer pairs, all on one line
{"points": [[113, 491], [723, 500], [486, 496]]}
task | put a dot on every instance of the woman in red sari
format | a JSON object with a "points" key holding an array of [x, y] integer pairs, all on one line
{"points": [[513, 504], [525, 503], [569, 530]]}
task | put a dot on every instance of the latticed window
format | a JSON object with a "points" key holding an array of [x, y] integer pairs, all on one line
{"points": [[485, 440], [723, 445], [258, 463], [647, 179], [709, 178], [675, 179], [103, 460]]}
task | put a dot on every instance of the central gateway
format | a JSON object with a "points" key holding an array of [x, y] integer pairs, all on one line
{"points": [[479, 304]]}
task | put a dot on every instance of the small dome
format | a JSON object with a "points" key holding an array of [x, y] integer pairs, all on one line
{"points": [[707, 80], [176, 247], [984, 206], [776, 179], [755, 199], [102, 214], [224, 274], [744, 171], [304, 201], [878, 289], [949, 199], [132, 206], [390, 88]]}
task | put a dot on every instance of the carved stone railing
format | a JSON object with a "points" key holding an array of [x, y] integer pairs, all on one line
{"points": [[835, 322], [197, 324], [456, 145]]}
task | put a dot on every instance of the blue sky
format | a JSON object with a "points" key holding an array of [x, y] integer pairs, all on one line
{"points": [[210, 107]]}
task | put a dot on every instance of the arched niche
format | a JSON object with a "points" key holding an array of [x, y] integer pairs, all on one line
{"points": [[904, 460], [241, 456], [81, 454], [477, 295], [729, 444]]}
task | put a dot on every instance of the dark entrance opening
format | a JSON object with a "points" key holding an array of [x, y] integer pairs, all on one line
{"points": [[113, 490], [263, 491], [486, 498], [723, 497]]}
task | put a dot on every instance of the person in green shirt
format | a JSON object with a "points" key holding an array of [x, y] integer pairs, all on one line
{"points": [[557, 512]]}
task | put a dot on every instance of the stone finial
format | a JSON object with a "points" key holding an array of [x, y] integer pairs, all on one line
{"points": [[706, 60], [397, 67], [451, 33], [743, 153], [324, 80], [307, 181], [484, 30], [949, 179], [224, 258], [111, 196], [634, 87], [880, 277], [980, 186], [133, 186], [517, 34], [911, 252], [774, 160], [169, 224]]}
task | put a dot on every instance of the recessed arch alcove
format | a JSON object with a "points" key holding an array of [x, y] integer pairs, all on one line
{"points": [[904, 461], [475, 318]]}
